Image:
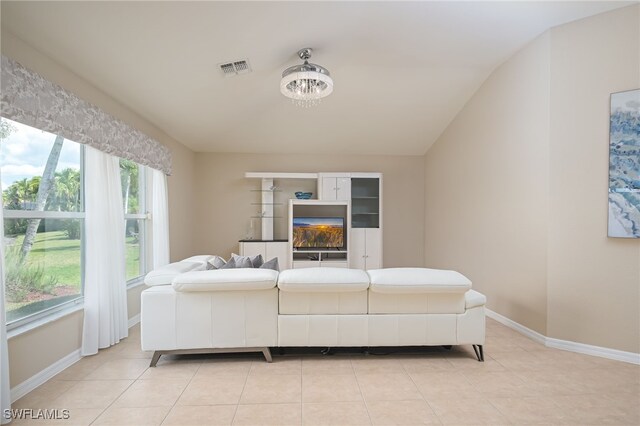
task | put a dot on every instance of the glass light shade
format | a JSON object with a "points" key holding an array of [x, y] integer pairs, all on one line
{"points": [[306, 84]]}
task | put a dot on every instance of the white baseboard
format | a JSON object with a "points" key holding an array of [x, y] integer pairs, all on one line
{"points": [[583, 348], [57, 367], [38, 379], [134, 320], [533, 335], [566, 345]]}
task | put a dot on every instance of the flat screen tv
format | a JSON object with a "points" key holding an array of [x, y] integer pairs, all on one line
{"points": [[318, 232]]}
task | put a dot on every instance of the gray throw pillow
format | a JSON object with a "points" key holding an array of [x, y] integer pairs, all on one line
{"points": [[231, 264], [256, 261], [216, 263], [242, 262], [271, 264]]}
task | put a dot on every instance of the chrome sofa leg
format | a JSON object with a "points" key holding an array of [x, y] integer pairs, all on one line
{"points": [[479, 353]]}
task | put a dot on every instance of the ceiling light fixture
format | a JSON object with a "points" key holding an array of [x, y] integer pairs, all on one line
{"points": [[306, 84]]}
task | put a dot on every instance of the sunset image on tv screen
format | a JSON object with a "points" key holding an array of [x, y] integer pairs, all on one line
{"points": [[318, 232]]}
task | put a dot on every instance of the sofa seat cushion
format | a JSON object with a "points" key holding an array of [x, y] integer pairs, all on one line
{"points": [[416, 303], [417, 280], [165, 274], [324, 303], [323, 280], [226, 280]]}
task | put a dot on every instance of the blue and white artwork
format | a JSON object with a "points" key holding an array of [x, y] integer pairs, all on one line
{"points": [[624, 165]]}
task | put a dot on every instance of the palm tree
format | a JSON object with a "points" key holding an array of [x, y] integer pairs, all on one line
{"points": [[44, 188], [129, 176], [66, 196]]}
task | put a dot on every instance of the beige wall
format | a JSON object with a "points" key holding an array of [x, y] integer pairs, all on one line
{"points": [[593, 281], [516, 187], [180, 183], [486, 185], [39, 348], [225, 197]]}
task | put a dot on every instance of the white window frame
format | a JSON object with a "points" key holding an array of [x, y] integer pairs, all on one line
{"points": [[143, 191], [69, 305]]}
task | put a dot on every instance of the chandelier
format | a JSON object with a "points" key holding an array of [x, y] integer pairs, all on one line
{"points": [[306, 84]]}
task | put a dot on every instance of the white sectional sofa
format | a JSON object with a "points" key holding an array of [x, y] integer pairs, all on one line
{"points": [[252, 310]]}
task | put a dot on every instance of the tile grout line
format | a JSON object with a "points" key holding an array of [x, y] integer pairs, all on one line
{"points": [[246, 379], [116, 398], [422, 395], [364, 400], [181, 393]]}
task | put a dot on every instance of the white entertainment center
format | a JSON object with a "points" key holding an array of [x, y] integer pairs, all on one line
{"points": [[354, 197]]}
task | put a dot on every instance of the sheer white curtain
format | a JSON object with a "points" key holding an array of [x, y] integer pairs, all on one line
{"points": [[105, 294], [159, 218], [5, 390]]}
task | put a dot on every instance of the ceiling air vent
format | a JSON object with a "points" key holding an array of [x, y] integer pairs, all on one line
{"points": [[229, 69]]}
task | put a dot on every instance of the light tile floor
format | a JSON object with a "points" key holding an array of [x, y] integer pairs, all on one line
{"points": [[520, 382]]}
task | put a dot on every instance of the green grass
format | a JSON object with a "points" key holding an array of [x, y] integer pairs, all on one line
{"points": [[60, 256]]}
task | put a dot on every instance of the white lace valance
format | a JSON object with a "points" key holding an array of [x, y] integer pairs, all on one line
{"points": [[29, 98]]}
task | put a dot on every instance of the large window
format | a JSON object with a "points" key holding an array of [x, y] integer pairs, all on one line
{"points": [[42, 194], [44, 218], [134, 192]]}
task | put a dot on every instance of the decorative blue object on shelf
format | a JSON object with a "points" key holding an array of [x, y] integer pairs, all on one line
{"points": [[303, 195]]}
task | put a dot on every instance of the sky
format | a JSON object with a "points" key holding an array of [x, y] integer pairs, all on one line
{"points": [[24, 153], [331, 221]]}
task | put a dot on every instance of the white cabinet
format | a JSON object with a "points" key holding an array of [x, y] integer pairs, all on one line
{"points": [[366, 221], [366, 248], [335, 188], [268, 250], [355, 196]]}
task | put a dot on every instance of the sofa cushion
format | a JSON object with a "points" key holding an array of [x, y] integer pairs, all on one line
{"points": [[417, 280], [322, 303], [204, 258], [216, 262], [271, 264], [241, 262], [255, 261], [165, 274], [231, 264], [226, 280], [323, 280]]}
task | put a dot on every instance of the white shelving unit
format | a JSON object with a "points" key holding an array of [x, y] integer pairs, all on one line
{"points": [[366, 220], [364, 192], [267, 189], [359, 193], [334, 186]]}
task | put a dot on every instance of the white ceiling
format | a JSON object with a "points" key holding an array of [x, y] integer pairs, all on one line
{"points": [[401, 70]]}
